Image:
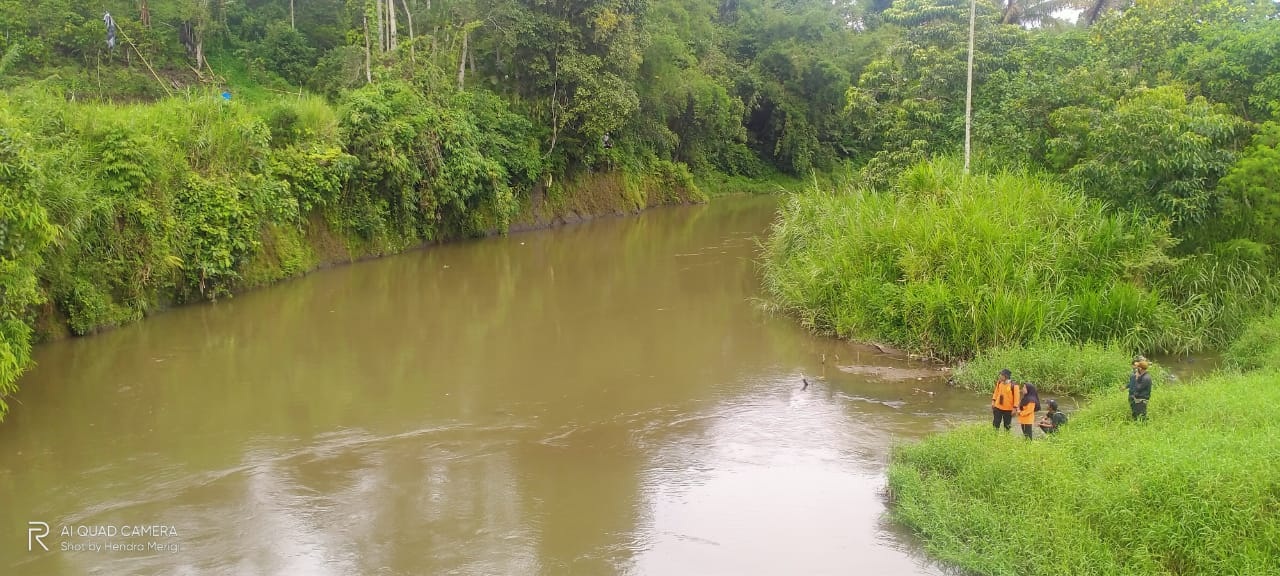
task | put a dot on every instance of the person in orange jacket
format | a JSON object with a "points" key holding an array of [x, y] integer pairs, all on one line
{"points": [[1003, 399], [1027, 408]]}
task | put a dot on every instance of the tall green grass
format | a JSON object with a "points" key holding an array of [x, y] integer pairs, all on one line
{"points": [[1055, 367], [1192, 491], [1258, 347], [948, 265]]}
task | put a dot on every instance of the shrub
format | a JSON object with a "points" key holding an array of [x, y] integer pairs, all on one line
{"points": [[1251, 191], [286, 52], [24, 232]]}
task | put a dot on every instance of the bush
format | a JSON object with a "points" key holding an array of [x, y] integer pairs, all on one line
{"points": [[1258, 347], [1191, 491], [1251, 191], [951, 265], [24, 232], [1055, 367], [286, 52]]}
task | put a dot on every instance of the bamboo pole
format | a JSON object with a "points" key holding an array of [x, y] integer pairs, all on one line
{"points": [[144, 60]]}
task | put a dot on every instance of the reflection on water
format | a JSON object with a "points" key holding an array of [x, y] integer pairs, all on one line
{"points": [[603, 398], [768, 486]]}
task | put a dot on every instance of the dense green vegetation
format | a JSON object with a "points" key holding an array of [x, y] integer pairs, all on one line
{"points": [[948, 265], [1124, 200], [1192, 491], [1161, 115], [1055, 367], [1258, 346], [359, 128]]}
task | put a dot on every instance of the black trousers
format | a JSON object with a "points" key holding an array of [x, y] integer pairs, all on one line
{"points": [[999, 417], [1138, 407], [1026, 431]]}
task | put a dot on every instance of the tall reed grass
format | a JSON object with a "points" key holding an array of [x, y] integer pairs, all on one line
{"points": [[1258, 347], [1055, 367], [1193, 491], [947, 265]]}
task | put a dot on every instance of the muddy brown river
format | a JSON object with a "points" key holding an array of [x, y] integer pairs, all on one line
{"points": [[602, 398]]}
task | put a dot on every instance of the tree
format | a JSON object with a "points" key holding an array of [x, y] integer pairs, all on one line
{"points": [[1186, 146], [1094, 9], [1033, 12], [1251, 191]]}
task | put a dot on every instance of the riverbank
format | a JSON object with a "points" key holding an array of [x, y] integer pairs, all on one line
{"points": [[287, 251], [116, 212], [1191, 491], [291, 252], [946, 265], [559, 375], [1019, 270]]}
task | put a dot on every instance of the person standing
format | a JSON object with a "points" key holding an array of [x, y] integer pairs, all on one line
{"points": [[1027, 407], [1003, 399], [1139, 388]]}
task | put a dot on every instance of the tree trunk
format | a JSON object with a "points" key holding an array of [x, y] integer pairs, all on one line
{"points": [[391, 25], [408, 15], [1007, 16], [368, 57], [293, 23], [462, 62], [1094, 10], [382, 28], [145, 14], [555, 87], [191, 36]]}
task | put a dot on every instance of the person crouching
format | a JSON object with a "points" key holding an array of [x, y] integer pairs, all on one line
{"points": [[1053, 419]]}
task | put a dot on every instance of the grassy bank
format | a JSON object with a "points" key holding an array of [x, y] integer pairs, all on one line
{"points": [[946, 266], [1192, 491], [1055, 367], [1258, 346], [109, 213]]}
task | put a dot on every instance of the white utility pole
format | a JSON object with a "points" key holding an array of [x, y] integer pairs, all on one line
{"points": [[968, 92]]}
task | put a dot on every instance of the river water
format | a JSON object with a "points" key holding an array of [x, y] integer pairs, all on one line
{"points": [[602, 398]]}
